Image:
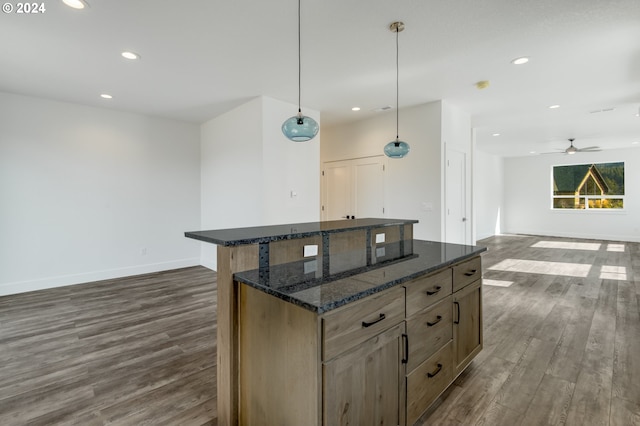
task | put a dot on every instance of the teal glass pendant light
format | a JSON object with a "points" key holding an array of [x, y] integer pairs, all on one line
{"points": [[300, 128], [397, 148]]}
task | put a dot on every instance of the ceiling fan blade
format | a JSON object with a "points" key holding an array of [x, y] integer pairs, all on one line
{"points": [[590, 148]]}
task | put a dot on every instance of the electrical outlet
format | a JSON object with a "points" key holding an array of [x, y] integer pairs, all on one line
{"points": [[380, 238], [310, 250]]}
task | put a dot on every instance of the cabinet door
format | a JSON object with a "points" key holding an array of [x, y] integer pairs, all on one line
{"points": [[363, 385], [467, 325]]}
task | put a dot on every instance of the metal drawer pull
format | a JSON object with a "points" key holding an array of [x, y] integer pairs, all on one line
{"points": [[457, 320], [430, 375], [369, 324], [435, 290], [473, 272], [438, 319]]}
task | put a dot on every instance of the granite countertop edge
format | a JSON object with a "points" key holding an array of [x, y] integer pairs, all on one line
{"points": [[199, 235]]}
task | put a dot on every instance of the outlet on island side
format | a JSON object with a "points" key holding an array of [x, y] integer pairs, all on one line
{"points": [[310, 250]]}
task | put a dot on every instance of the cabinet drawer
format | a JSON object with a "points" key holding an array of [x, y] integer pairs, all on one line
{"points": [[428, 381], [425, 291], [428, 331], [466, 273], [352, 324]]}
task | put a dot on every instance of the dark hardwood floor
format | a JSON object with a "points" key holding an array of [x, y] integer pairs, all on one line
{"points": [[562, 345], [133, 351]]}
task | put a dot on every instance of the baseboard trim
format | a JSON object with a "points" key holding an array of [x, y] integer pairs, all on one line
{"points": [[87, 277]]}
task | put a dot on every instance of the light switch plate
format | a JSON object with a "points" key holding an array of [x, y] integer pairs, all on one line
{"points": [[380, 238], [310, 250]]}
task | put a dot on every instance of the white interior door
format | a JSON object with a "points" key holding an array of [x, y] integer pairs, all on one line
{"points": [[369, 187], [455, 197], [353, 188], [336, 202]]}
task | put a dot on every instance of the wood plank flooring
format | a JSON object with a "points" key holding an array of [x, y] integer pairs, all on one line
{"points": [[562, 345], [132, 351], [562, 337]]}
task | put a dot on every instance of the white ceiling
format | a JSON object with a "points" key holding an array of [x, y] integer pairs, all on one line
{"points": [[200, 58]]}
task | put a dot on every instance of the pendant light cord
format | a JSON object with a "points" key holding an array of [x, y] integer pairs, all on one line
{"points": [[299, 63], [397, 87]]}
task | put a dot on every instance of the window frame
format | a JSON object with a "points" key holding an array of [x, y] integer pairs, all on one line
{"points": [[588, 197]]}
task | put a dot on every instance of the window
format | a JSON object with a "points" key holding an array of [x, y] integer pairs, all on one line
{"points": [[588, 186]]}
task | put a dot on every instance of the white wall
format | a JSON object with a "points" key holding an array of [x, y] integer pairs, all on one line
{"points": [[249, 169], [83, 191], [528, 198], [289, 166], [488, 194], [410, 181], [417, 180]]}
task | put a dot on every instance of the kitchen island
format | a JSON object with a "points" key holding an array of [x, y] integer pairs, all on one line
{"points": [[342, 322]]}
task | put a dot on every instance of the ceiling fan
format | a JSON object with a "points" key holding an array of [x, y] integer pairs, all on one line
{"points": [[572, 149]]}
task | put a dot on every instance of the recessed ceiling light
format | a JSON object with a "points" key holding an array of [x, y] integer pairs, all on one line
{"points": [[106, 96], [520, 61], [532, 152], [635, 143], [76, 4], [554, 106], [496, 134], [355, 109], [130, 55]]}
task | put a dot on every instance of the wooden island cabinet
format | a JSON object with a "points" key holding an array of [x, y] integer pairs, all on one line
{"points": [[372, 345]]}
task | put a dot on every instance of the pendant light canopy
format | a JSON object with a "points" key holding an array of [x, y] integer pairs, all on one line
{"points": [[300, 128], [397, 148]]}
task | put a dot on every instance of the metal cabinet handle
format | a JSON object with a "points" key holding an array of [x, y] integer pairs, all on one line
{"points": [[435, 290], [369, 324], [471, 273], [405, 359], [438, 319], [457, 321], [430, 375]]}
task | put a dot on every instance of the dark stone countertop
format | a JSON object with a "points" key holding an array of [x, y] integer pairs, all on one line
{"points": [[265, 234], [318, 293]]}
